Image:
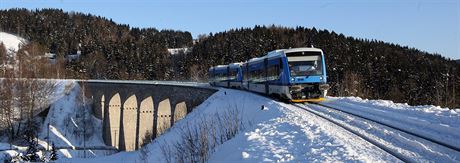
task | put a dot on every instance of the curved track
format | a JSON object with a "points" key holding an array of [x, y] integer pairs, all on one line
{"points": [[439, 142], [343, 118]]}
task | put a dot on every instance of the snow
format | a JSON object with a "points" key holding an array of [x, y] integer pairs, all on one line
{"points": [[65, 118], [298, 137], [275, 132], [442, 124], [272, 131], [12, 42], [174, 51], [66, 121], [408, 147]]}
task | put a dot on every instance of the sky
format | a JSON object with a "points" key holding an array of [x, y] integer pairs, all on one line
{"points": [[428, 25]]}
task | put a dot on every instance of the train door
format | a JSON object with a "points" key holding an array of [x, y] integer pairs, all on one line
{"points": [[228, 77], [248, 75], [266, 75]]}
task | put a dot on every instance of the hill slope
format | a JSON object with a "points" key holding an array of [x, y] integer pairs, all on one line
{"points": [[281, 132], [120, 51], [356, 67]]}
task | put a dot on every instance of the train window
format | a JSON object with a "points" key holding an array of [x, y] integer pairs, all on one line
{"points": [[305, 68], [210, 76], [232, 75], [258, 75], [273, 72], [305, 65]]}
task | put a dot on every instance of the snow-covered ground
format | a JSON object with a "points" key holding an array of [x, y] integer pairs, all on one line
{"points": [[432, 121], [66, 118], [406, 146], [272, 131], [283, 132]]}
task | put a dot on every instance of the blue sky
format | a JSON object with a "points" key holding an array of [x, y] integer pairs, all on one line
{"points": [[429, 25]]}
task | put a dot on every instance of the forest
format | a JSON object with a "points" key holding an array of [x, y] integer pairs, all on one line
{"points": [[356, 67]]}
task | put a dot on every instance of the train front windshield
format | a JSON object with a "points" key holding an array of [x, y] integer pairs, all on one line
{"points": [[305, 65]]}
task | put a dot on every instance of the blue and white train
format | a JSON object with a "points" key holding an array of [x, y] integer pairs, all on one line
{"points": [[297, 75]]}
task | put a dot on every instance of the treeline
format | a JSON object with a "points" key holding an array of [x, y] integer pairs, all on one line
{"points": [[22, 95], [356, 67], [109, 50]]}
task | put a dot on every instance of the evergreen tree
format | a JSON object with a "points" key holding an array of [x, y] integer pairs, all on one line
{"points": [[53, 155], [32, 149]]}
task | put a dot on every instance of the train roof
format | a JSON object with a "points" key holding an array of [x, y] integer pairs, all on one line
{"points": [[235, 65], [218, 67], [271, 54], [282, 53], [301, 49]]}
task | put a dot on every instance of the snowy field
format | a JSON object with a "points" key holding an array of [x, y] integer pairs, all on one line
{"points": [[270, 131], [282, 132]]}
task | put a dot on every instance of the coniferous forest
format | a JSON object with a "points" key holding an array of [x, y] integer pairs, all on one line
{"points": [[356, 67]]}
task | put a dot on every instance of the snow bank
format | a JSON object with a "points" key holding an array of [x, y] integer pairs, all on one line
{"points": [[274, 132]]}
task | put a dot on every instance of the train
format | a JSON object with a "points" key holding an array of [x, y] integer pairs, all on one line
{"points": [[294, 74]]}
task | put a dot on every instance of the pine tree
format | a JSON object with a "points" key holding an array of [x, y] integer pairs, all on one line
{"points": [[53, 154], [32, 149]]}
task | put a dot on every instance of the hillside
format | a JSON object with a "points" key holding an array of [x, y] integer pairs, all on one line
{"points": [[121, 52], [356, 67], [284, 133]]}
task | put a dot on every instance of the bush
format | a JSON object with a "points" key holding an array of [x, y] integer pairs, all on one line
{"points": [[198, 141]]}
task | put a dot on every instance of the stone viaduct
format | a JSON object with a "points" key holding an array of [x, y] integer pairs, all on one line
{"points": [[133, 110]]}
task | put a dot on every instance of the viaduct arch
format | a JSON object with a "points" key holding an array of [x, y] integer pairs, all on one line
{"points": [[134, 111]]}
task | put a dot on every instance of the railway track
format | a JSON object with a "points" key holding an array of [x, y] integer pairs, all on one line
{"points": [[346, 119]]}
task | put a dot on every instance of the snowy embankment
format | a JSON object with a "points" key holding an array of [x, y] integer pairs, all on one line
{"points": [[276, 132], [66, 118], [269, 130]]}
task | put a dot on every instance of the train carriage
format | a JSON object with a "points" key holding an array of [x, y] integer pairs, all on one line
{"points": [[229, 76], [297, 75]]}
